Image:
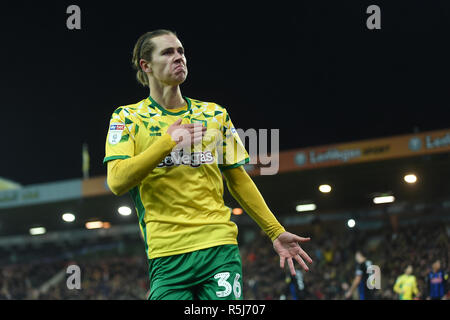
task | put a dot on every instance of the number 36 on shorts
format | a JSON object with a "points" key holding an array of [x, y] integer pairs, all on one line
{"points": [[224, 282]]}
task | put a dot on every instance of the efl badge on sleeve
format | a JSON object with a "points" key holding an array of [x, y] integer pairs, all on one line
{"points": [[115, 132]]}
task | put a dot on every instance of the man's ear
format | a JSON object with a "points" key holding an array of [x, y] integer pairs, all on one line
{"points": [[145, 66]]}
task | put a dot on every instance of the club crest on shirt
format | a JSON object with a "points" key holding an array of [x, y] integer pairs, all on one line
{"points": [[115, 133]]}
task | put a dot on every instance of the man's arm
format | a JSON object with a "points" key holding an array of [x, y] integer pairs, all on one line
{"points": [[354, 285], [125, 174], [244, 190], [397, 286]]}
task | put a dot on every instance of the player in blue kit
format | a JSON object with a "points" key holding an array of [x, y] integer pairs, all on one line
{"points": [[437, 282]]}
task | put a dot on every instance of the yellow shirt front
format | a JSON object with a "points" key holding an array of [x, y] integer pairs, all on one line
{"points": [[406, 287], [180, 203]]}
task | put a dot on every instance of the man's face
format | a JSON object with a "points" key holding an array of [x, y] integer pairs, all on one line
{"points": [[359, 257], [168, 63], [409, 270], [436, 266]]}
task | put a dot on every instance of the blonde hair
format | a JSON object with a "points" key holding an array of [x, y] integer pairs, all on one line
{"points": [[143, 49]]}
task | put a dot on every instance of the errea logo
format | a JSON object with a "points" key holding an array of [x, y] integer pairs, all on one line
{"points": [[154, 131]]}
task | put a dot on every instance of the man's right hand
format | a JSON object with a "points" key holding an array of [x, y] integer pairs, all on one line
{"points": [[186, 134]]}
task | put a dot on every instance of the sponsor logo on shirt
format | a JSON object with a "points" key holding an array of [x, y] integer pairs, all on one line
{"points": [[194, 159], [117, 126], [115, 132], [436, 280]]}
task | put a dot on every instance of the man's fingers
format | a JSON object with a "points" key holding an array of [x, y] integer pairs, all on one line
{"points": [[198, 130], [192, 125], [195, 130], [301, 262], [189, 125], [305, 255], [282, 262], [192, 128], [291, 266], [301, 239], [197, 140], [189, 132]]}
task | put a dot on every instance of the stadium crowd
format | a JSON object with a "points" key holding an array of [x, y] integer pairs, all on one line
{"points": [[118, 269], [334, 264]]}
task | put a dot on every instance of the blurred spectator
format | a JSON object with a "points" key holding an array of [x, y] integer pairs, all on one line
{"points": [[437, 282], [361, 278], [406, 285]]}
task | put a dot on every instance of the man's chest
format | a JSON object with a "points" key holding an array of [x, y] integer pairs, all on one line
{"points": [[151, 127]]}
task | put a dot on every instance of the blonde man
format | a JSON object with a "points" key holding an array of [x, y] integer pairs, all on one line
{"points": [[169, 152]]}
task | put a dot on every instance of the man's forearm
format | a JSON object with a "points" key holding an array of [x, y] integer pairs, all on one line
{"points": [[244, 190], [355, 283], [125, 174]]}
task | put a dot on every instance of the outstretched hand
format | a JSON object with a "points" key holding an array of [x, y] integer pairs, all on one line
{"points": [[287, 247]]}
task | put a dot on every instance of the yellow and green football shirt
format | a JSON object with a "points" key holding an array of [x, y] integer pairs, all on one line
{"points": [[180, 203], [406, 287]]}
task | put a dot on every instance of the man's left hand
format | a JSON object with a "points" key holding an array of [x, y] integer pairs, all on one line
{"points": [[287, 247]]}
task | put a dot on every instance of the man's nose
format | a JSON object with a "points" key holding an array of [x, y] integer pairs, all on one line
{"points": [[178, 57]]}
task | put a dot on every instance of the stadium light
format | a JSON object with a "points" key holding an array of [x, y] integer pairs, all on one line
{"points": [[124, 211], [410, 178], [383, 199], [351, 223], [68, 217], [94, 225], [97, 225], [324, 188], [237, 211], [37, 230], [305, 207]]}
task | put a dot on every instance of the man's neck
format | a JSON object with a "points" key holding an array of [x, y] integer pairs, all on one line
{"points": [[167, 97]]}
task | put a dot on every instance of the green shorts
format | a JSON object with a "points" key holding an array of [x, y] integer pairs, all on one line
{"points": [[210, 274]]}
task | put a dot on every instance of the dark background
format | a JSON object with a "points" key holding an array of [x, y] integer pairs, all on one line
{"points": [[309, 68]]}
